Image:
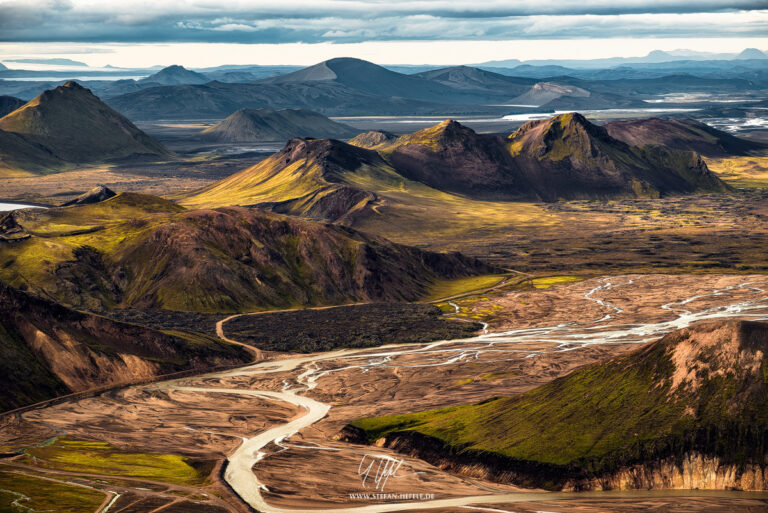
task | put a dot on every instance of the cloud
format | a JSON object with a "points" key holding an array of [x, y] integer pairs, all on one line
{"points": [[343, 21]]}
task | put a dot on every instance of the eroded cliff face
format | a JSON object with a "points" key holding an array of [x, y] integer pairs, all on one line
{"points": [[694, 471], [47, 350]]}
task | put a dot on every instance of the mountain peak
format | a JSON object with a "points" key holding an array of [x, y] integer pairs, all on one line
{"points": [[562, 126], [76, 126]]}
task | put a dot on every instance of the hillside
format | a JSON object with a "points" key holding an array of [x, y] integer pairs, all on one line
{"points": [[20, 157], [175, 75], [9, 103], [139, 251], [703, 421], [48, 350], [247, 125], [72, 124], [315, 178], [682, 134]]}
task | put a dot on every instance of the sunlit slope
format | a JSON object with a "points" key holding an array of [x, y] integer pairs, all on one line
{"points": [[698, 390], [139, 251]]}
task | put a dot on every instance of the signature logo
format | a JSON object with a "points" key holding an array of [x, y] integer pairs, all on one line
{"points": [[376, 470]]}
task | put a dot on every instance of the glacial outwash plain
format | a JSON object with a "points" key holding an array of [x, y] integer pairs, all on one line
{"points": [[507, 286]]}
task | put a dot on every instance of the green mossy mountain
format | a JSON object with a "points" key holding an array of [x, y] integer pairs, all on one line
{"points": [[47, 350], [140, 251], [74, 126], [569, 157], [566, 157], [699, 390]]}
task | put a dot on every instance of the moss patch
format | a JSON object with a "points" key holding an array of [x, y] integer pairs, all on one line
{"points": [[94, 457]]}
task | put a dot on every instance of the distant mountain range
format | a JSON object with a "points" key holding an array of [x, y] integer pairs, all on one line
{"points": [[656, 56], [346, 86]]}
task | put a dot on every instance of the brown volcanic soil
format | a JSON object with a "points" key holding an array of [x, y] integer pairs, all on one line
{"points": [[312, 469]]}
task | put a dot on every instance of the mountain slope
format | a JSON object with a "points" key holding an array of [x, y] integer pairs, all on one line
{"points": [[247, 125], [9, 103], [692, 403], [75, 126], [315, 178], [682, 134], [48, 350], [175, 75], [140, 251]]}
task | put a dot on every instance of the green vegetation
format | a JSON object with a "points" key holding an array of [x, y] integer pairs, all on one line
{"points": [[143, 252], [451, 288], [366, 325], [550, 281], [93, 457], [742, 172], [21, 491], [588, 423]]}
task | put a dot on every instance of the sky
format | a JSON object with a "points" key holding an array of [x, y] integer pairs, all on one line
{"points": [[199, 33]]}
